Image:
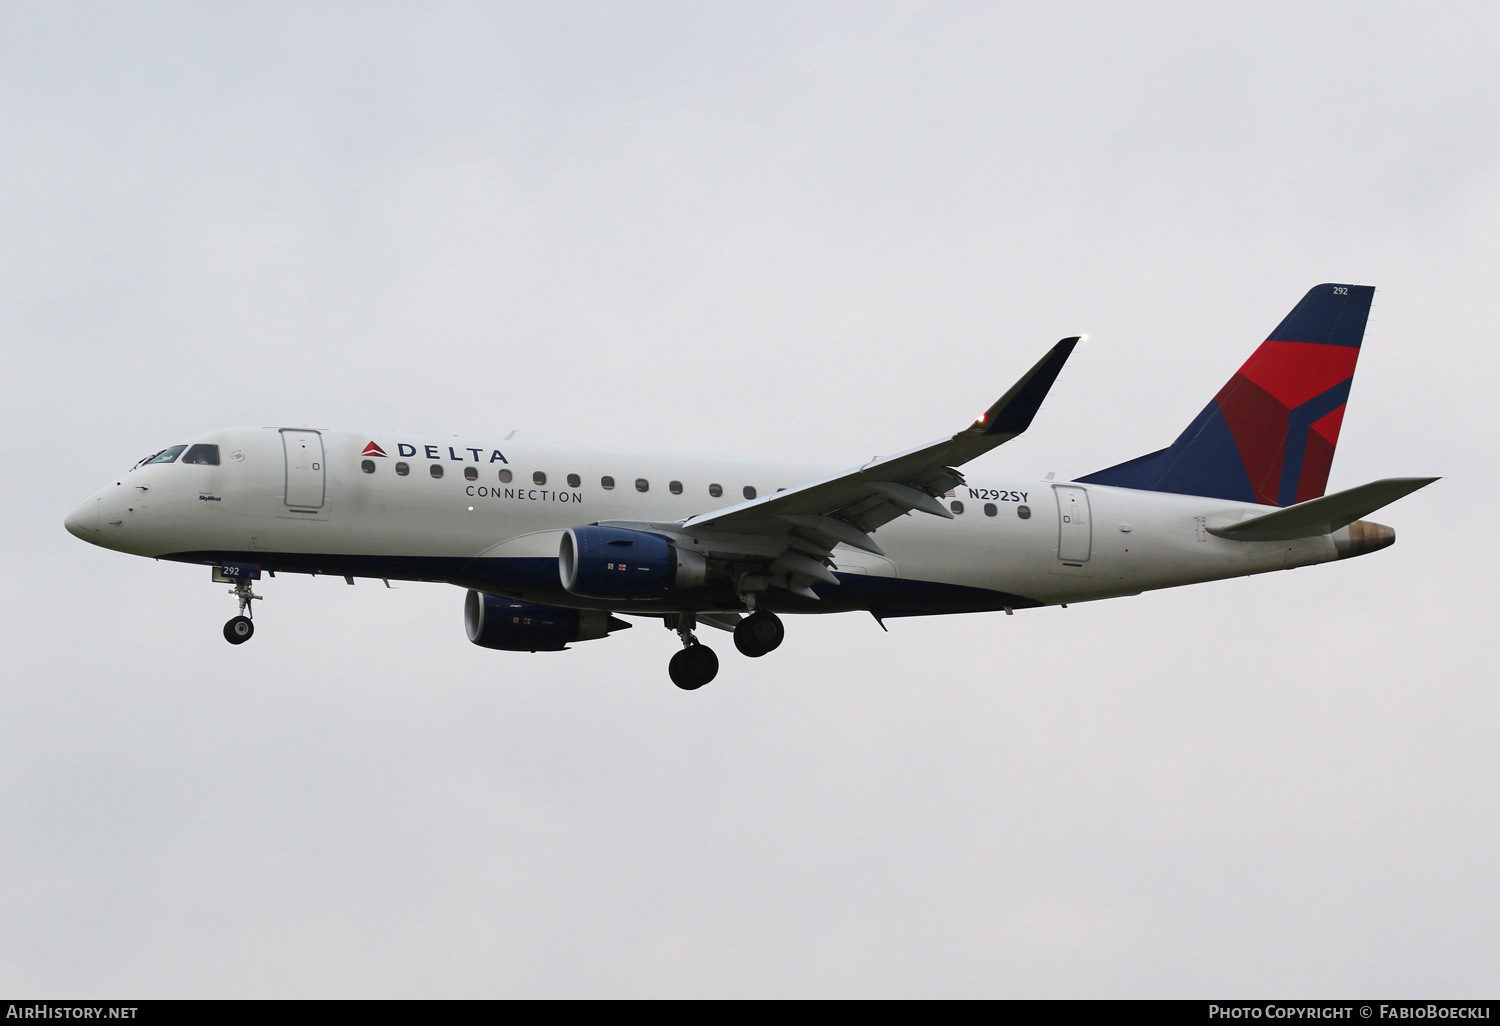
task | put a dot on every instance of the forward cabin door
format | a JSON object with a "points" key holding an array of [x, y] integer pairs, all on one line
{"points": [[306, 488], [1075, 535]]}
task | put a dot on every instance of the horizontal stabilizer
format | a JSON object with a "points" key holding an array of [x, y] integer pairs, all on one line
{"points": [[1323, 515]]}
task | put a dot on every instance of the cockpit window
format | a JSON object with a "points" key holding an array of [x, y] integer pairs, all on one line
{"points": [[167, 455], [206, 455]]}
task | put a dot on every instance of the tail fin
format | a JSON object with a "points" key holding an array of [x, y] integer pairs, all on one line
{"points": [[1268, 436]]}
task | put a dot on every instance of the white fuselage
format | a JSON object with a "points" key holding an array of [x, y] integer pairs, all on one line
{"points": [[479, 514]]}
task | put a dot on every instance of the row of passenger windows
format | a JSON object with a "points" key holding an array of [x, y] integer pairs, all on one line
{"points": [[990, 509], [539, 478], [208, 455], [606, 482]]}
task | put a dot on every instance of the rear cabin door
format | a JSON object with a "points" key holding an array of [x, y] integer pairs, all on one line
{"points": [[305, 488], [1075, 535]]}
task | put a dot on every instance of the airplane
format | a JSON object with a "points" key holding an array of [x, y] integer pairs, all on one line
{"points": [[554, 543]]}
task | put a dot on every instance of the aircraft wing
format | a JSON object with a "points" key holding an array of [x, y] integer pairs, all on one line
{"points": [[793, 533]]}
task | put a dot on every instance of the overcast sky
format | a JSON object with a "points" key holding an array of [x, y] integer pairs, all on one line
{"points": [[805, 231]]}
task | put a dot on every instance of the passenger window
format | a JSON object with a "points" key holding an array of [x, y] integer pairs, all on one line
{"points": [[471, 473], [368, 466], [607, 483], [642, 485], [749, 491], [538, 478], [168, 455], [989, 509], [436, 470], [574, 480], [402, 470], [1024, 512], [675, 487], [505, 476], [203, 455], [716, 490], [956, 506]]}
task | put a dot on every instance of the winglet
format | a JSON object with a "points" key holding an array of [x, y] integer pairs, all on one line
{"points": [[1014, 411]]}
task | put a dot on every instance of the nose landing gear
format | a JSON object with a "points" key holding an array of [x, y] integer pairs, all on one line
{"points": [[239, 629], [696, 664]]}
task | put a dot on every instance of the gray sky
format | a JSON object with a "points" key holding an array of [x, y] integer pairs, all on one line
{"points": [[801, 230]]}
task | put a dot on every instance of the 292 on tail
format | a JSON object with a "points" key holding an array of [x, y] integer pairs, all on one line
{"points": [[555, 543]]}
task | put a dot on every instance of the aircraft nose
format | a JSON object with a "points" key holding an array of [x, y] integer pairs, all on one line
{"points": [[83, 522]]}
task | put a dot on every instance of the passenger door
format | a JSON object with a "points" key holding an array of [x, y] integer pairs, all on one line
{"points": [[306, 486], [1075, 535]]}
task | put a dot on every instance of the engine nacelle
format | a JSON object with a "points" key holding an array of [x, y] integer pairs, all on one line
{"points": [[496, 622], [616, 563]]}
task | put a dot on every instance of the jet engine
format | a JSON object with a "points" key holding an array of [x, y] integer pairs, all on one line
{"points": [[618, 563], [496, 622]]}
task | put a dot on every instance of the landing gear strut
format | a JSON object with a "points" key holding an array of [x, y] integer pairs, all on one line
{"points": [[759, 633], [696, 664], [239, 629]]}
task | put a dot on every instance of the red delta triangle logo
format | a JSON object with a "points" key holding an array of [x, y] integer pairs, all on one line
{"points": [[373, 450]]}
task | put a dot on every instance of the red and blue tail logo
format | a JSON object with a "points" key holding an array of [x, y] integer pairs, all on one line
{"points": [[1268, 437]]}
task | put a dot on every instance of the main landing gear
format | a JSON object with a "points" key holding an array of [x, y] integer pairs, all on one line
{"points": [[693, 667], [696, 664], [757, 634], [239, 629]]}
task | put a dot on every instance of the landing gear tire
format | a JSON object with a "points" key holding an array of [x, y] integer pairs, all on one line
{"points": [[759, 633], [238, 630], [693, 667]]}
